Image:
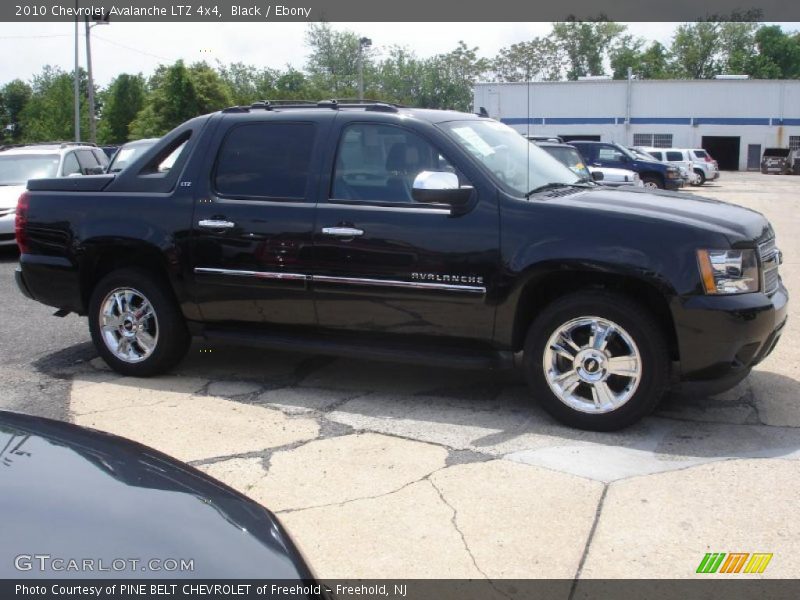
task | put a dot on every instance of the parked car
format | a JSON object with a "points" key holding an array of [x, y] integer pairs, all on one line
{"points": [[780, 161], [544, 138], [654, 174], [322, 227], [616, 177], [71, 493], [704, 165], [109, 151], [682, 159], [570, 157], [18, 163], [127, 152]]}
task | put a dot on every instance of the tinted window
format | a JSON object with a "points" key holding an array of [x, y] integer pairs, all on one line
{"points": [[699, 153], [71, 165], [656, 155], [672, 156], [87, 159], [610, 154], [265, 160], [380, 162]]}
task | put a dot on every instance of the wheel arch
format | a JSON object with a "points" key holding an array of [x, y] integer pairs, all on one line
{"points": [[542, 289], [101, 258]]}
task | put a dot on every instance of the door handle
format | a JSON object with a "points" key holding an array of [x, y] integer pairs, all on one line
{"points": [[346, 232], [216, 224]]}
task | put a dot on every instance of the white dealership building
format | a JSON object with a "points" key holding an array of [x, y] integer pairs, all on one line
{"points": [[734, 119]]}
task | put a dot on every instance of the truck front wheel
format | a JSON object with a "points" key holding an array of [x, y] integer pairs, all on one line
{"points": [[652, 182], [596, 360], [136, 325]]}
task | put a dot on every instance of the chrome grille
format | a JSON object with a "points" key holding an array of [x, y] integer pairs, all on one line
{"points": [[770, 258]]}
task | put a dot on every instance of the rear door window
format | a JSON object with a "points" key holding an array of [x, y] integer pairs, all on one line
{"points": [[71, 165], [674, 156], [265, 160]]}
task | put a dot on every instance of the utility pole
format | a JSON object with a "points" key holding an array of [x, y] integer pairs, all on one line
{"points": [[364, 42], [99, 19], [77, 82]]}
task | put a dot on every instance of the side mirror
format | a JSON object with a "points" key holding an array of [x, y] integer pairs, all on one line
{"points": [[94, 170], [440, 187], [597, 175]]}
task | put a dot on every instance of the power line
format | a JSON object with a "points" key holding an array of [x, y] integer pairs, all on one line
{"points": [[32, 37], [113, 43]]}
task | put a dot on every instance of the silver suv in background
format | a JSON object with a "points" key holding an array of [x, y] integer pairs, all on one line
{"points": [[22, 162], [696, 160]]}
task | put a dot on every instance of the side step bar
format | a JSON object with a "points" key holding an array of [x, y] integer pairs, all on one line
{"points": [[440, 355]]}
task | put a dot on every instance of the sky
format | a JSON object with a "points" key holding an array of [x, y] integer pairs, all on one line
{"points": [[141, 47]]}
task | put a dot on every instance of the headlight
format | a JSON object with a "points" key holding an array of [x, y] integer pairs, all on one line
{"points": [[728, 271], [673, 173]]}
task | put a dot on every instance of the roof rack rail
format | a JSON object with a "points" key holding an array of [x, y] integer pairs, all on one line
{"points": [[333, 104], [60, 144]]}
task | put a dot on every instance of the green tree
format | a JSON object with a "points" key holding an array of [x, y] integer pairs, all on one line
{"points": [[537, 59], [777, 54], [122, 101], [585, 44], [15, 95], [178, 93], [48, 115], [333, 60], [651, 62]]}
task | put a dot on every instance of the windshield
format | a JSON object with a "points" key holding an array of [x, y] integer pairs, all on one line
{"points": [[515, 162], [570, 158], [126, 155], [641, 154], [779, 152], [16, 169]]}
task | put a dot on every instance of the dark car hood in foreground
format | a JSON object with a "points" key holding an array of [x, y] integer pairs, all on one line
{"points": [[737, 223], [73, 493]]}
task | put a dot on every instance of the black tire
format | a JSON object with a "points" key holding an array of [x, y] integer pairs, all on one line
{"points": [[653, 180], [702, 176], [639, 325], [173, 337]]}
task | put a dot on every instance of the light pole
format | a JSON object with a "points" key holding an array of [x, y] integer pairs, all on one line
{"points": [[77, 82], [364, 42], [99, 19]]}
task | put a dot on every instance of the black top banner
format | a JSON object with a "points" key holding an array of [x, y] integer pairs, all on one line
{"points": [[399, 11]]}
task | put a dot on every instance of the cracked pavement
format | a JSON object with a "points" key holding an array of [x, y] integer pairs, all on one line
{"points": [[383, 470]]}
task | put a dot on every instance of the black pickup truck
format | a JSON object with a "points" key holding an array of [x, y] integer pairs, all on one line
{"points": [[405, 234]]}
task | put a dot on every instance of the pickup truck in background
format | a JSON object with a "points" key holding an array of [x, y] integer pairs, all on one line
{"points": [[654, 174], [404, 234]]}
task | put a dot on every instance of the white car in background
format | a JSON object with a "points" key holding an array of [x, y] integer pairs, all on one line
{"points": [[697, 162], [20, 163], [615, 177]]}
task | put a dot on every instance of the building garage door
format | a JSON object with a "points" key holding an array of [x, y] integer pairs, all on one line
{"points": [[724, 149]]}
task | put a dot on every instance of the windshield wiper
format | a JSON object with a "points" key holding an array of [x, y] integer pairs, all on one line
{"points": [[555, 185]]}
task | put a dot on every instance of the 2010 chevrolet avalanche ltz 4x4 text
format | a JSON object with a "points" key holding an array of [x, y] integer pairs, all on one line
{"points": [[405, 234]]}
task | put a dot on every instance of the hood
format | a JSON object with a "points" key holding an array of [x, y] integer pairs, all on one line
{"points": [[75, 493], [9, 194], [737, 223]]}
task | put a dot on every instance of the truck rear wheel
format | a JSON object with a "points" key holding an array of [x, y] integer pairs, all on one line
{"points": [[136, 324], [596, 360]]}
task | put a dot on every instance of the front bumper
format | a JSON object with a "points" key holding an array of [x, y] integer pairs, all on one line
{"points": [[673, 184], [722, 337]]}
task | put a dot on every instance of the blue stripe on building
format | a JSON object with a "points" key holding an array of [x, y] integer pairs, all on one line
{"points": [[648, 121], [661, 121]]}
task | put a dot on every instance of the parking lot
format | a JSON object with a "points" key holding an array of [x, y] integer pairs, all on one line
{"points": [[383, 470]]}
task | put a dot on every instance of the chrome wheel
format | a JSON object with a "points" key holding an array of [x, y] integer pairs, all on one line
{"points": [[592, 365], [128, 325], [651, 185]]}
